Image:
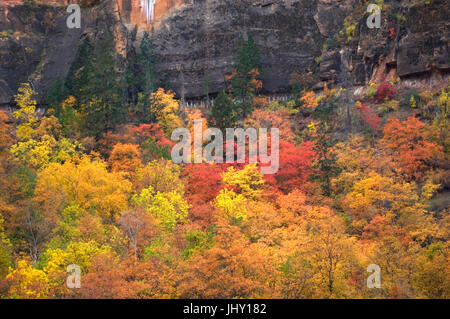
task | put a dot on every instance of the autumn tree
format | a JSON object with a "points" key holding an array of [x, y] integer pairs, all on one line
{"points": [[5, 250], [411, 141], [244, 80], [139, 227], [248, 181], [169, 208], [86, 183], [323, 259], [27, 282], [233, 268], [377, 195], [369, 117], [295, 166], [162, 175], [165, 109], [125, 158]]}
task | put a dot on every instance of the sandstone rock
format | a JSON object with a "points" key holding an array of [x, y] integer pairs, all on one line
{"points": [[198, 38], [413, 47]]}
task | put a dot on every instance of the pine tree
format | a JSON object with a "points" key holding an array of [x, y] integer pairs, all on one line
{"points": [[325, 166], [56, 94], [98, 85], [78, 73], [148, 61], [244, 80], [145, 78], [222, 111]]}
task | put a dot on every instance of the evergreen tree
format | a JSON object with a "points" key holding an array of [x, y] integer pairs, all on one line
{"points": [[146, 78], [325, 167], [223, 112], [56, 94], [148, 61], [206, 87], [77, 76], [98, 85], [244, 80]]}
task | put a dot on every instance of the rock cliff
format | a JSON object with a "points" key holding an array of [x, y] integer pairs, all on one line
{"points": [[198, 38]]}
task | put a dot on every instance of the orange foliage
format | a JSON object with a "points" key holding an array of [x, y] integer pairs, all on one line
{"points": [[410, 143], [125, 158], [309, 100]]}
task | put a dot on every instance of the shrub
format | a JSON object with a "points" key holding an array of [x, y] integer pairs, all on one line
{"points": [[385, 91], [371, 90]]}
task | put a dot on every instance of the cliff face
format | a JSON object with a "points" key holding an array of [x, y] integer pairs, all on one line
{"points": [[198, 38], [412, 42], [36, 45]]}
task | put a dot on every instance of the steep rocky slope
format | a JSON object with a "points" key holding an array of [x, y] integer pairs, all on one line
{"points": [[198, 38]]}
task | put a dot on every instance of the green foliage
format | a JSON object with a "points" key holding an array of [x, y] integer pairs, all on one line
{"points": [[197, 240], [325, 166], [223, 112], [169, 207], [56, 95], [148, 61], [143, 78], [98, 86], [244, 81], [5, 251], [150, 146]]}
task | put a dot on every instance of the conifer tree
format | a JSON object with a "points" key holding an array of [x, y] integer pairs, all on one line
{"points": [[98, 85], [244, 80], [222, 111]]}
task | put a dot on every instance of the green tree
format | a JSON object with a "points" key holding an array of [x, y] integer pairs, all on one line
{"points": [[144, 77], [223, 112], [244, 80], [97, 82], [148, 61], [56, 94], [325, 166]]}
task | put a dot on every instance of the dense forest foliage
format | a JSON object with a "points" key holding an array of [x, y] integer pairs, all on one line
{"points": [[363, 179]]}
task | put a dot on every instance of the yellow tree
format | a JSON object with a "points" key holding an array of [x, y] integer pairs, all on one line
{"points": [[27, 282], [170, 208], [248, 181], [432, 277], [86, 183], [378, 195], [162, 175], [38, 145], [166, 110], [323, 258], [231, 205], [125, 158], [26, 112], [5, 247]]}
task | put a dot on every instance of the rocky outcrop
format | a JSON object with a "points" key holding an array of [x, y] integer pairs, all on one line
{"points": [[197, 39], [200, 40], [37, 46], [412, 42]]}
